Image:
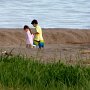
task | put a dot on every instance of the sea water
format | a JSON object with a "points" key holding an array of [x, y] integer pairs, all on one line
{"points": [[49, 13]]}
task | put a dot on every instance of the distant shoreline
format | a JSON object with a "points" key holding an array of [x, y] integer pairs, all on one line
{"points": [[45, 29]]}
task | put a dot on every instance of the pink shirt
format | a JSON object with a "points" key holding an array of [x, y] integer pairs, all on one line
{"points": [[29, 38]]}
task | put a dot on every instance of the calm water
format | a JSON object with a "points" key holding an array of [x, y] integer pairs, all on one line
{"points": [[49, 13]]}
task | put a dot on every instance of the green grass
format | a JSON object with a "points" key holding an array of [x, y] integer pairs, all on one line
{"points": [[19, 73]]}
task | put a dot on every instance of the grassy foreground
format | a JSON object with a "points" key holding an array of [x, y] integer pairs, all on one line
{"points": [[19, 73]]}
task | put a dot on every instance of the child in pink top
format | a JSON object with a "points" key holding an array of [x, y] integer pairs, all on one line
{"points": [[29, 37]]}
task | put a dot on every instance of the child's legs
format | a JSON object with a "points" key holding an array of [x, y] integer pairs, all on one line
{"points": [[41, 44], [29, 46]]}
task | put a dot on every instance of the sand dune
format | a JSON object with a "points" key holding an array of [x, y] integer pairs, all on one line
{"points": [[51, 36]]}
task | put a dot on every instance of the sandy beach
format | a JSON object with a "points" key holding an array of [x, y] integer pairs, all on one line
{"points": [[66, 44]]}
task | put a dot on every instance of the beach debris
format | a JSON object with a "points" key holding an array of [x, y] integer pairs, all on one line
{"points": [[4, 52], [7, 53], [34, 46]]}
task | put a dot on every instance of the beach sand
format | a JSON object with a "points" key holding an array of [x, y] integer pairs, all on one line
{"points": [[69, 45]]}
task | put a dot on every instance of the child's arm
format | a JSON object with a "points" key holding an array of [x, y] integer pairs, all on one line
{"points": [[36, 33]]}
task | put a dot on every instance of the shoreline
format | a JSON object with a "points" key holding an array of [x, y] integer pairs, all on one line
{"points": [[46, 28]]}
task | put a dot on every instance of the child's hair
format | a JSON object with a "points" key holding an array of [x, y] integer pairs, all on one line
{"points": [[27, 27], [34, 22]]}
